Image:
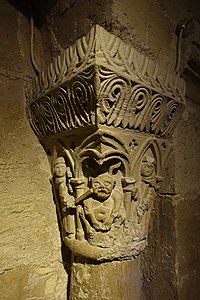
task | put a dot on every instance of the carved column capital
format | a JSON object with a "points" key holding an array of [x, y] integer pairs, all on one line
{"points": [[105, 113]]}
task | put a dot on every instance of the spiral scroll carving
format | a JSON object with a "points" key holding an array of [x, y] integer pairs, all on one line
{"points": [[126, 104], [102, 81], [104, 114], [64, 108]]}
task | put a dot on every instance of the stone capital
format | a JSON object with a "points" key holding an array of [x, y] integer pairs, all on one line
{"points": [[105, 114]]}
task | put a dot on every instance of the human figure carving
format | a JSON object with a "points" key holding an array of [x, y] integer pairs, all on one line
{"points": [[99, 207], [148, 187], [64, 190]]}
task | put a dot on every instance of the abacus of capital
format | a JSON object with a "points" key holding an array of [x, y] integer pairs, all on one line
{"points": [[104, 114]]}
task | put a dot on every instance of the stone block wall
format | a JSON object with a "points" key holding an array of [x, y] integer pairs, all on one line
{"points": [[30, 256], [171, 261], [187, 145]]}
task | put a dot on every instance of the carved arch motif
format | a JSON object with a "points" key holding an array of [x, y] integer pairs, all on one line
{"points": [[111, 192], [105, 114]]}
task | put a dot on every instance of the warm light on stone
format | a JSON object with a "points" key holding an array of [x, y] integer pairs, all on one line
{"points": [[105, 114], [99, 152]]}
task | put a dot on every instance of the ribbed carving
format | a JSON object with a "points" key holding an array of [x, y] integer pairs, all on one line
{"points": [[104, 113], [102, 80]]}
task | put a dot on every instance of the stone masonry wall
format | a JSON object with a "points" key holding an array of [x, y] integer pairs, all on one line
{"points": [[30, 257], [187, 146], [171, 261]]}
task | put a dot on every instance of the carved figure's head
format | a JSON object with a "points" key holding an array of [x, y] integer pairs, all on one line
{"points": [[60, 167], [148, 166], [102, 186]]}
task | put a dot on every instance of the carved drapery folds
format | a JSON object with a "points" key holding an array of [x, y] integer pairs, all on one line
{"points": [[105, 114]]}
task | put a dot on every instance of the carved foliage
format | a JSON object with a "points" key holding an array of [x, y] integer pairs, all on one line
{"points": [[99, 47], [113, 101], [104, 184], [101, 80], [126, 104], [65, 108]]}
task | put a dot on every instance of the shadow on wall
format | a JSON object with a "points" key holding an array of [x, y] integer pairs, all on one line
{"points": [[39, 9]]}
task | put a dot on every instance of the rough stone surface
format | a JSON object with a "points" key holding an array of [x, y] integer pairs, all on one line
{"points": [[30, 258], [173, 255], [113, 280], [123, 18], [187, 183], [159, 259]]}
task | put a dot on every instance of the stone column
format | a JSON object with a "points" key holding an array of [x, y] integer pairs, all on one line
{"points": [[104, 114], [109, 280]]}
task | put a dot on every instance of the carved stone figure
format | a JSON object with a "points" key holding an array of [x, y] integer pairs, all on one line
{"points": [[64, 189], [99, 208], [101, 101], [148, 188]]}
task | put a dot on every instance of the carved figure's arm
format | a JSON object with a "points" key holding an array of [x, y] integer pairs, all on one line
{"points": [[118, 198], [89, 213], [65, 198], [148, 197]]}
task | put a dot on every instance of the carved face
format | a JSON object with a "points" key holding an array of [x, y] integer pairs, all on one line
{"points": [[60, 169], [147, 169], [102, 186]]}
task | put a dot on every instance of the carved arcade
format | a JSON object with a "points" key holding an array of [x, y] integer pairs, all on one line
{"points": [[105, 114]]}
